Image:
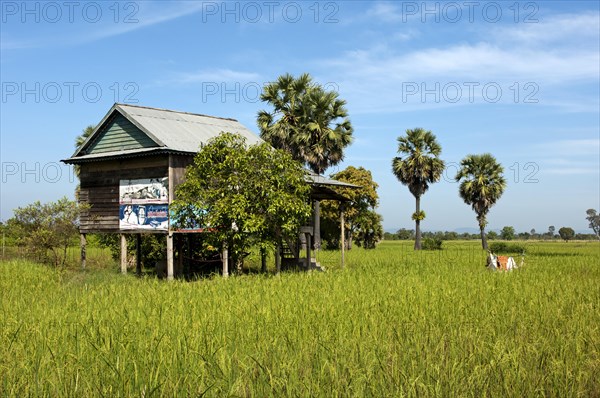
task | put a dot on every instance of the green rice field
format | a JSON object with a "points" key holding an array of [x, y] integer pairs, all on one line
{"points": [[393, 323]]}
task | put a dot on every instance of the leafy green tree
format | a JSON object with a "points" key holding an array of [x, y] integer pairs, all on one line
{"points": [[405, 234], [47, 229], [369, 230], [307, 121], [481, 185], [551, 230], [566, 233], [418, 166], [594, 220], [507, 233], [389, 236], [359, 212], [491, 235], [246, 195]]}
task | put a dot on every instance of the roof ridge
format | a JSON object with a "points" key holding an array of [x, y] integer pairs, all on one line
{"points": [[174, 111]]}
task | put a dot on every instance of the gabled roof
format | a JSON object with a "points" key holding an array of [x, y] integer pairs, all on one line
{"points": [[167, 130]]}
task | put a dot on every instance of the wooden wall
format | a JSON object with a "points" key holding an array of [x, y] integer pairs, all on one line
{"points": [[99, 185]]}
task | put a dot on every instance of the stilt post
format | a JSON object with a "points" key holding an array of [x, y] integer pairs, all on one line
{"points": [[343, 234], [170, 274], [83, 240], [123, 253]]}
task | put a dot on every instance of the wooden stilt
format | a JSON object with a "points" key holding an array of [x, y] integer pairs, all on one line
{"points": [[343, 234], [123, 253], [83, 240], [225, 261], [308, 252], [317, 225], [170, 256], [138, 254], [278, 257]]}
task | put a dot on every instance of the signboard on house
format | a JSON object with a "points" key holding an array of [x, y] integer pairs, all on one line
{"points": [[144, 204]]}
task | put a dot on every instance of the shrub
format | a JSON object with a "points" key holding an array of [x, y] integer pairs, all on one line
{"points": [[503, 248], [432, 244]]}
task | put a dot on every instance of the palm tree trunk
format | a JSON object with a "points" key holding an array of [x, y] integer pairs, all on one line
{"points": [[483, 238], [418, 224]]}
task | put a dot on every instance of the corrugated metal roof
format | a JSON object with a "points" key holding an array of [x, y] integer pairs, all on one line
{"points": [[181, 131], [321, 180], [171, 130]]}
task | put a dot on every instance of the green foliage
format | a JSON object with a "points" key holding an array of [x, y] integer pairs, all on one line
{"points": [[245, 195], [361, 219], [594, 218], [420, 216], [531, 332], [369, 229], [307, 121], [491, 235], [507, 233], [406, 234], [46, 229], [566, 233], [154, 247], [418, 166], [506, 248], [432, 244], [79, 140], [482, 183]]}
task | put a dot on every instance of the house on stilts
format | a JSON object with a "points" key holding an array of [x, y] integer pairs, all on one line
{"points": [[131, 164]]}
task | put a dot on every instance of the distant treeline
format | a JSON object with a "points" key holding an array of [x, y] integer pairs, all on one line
{"points": [[409, 234]]}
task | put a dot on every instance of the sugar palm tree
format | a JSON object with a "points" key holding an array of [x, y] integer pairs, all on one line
{"points": [[481, 185], [307, 121], [80, 139], [418, 166]]}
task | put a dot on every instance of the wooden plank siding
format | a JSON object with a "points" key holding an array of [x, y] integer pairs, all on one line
{"points": [[99, 185], [120, 134]]}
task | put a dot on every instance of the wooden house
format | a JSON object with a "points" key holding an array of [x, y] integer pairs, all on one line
{"points": [[131, 164]]}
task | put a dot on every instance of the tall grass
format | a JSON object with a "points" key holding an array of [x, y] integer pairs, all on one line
{"points": [[393, 323]]}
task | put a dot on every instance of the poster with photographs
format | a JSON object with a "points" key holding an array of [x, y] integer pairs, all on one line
{"points": [[153, 217], [143, 204], [143, 191]]}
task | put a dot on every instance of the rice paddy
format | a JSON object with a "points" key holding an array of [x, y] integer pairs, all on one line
{"points": [[392, 323]]}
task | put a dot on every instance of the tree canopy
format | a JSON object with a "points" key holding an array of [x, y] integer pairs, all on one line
{"points": [[361, 220], [243, 194], [46, 228], [594, 220], [507, 233], [481, 185], [566, 233], [418, 166], [307, 121]]}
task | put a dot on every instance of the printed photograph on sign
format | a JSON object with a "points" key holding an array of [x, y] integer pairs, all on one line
{"points": [[153, 217], [147, 190]]}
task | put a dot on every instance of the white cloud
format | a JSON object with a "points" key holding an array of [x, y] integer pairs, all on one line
{"points": [[573, 147], [374, 78], [552, 29], [217, 75], [81, 32]]}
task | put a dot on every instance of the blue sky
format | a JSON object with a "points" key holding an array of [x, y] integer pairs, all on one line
{"points": [[517, 79]]}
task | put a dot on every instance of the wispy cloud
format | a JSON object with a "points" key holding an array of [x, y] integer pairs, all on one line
{"points": [[541, 55], [576, 148], [219, 76], [82, 32]]}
